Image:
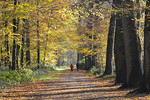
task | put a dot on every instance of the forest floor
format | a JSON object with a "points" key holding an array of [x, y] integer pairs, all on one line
{"points": [[70, 86]]}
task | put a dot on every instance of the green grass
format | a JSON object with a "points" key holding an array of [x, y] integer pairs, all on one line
{"points": [[112, 76], [50, 75], [17, 77], [62, 67]]}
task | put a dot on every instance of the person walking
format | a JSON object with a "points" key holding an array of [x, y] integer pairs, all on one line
{"points": [[77, 65], [71, 66]]}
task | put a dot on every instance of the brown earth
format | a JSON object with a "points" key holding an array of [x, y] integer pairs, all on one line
{"points": [[70, 86]]}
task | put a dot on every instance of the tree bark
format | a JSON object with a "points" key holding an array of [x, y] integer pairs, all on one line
{"points": [[86, 62], [119, 52], [145, 86], [17, 47], [14, 46], [27, 31], [23, 43], [17, 56], [45, 52], [109, 63], [89, 63], [38, 46], [38, 41], [134, 72]]}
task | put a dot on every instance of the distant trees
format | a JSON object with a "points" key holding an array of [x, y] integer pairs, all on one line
{"points": [[91, 14], [24, 23], [15, 24]]}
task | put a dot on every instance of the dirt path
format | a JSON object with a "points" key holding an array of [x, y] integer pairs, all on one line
{"points": [[71, 86]]}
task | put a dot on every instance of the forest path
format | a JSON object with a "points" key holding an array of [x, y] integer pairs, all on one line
{"points": [[70, 86]]}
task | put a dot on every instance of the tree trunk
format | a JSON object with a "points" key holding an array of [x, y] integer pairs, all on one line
{"points": [[86, 62], [17, 56], [17, 47], [14, 46], [38, 41], [109, 63], [89, 63], [119, 52], [134, 72], [14, 55], [45, 52], [23, 43], [27, 31], [7, 58], [38, 46], [145, 86], [14, 41]]}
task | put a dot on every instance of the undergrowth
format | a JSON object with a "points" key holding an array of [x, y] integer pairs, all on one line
{"points": [[17, 77]]}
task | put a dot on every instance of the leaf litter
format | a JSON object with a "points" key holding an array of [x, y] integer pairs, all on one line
{"points": [[70, 86]]}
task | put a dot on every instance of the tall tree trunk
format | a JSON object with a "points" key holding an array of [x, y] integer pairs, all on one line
{"points": [[145, 86], [119, 52], [14, 41], [6, 38], [109, 63], [38, 41], [23, 43], [14, 46], [38, 46], [17, 56], [89, 63], [45, 52], [17, 48], [86, 62], [7, 58], [134, 72], [27, 31], [90, 36], [14, 55]]}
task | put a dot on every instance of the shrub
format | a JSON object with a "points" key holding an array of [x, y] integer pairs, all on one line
{"points": [[17, 76], [82, 64], [26, 75]]}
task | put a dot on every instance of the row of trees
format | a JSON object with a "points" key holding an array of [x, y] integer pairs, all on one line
{"points": [[48, 32], [33, 32], [93, 21], [38, 31], [125, 38]]}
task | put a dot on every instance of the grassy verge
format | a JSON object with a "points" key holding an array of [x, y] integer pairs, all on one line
{"points": [[8, 78], [50, 75], [110, 77]]}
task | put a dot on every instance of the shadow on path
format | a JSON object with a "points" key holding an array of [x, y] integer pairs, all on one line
{"points": [[71, 86]]}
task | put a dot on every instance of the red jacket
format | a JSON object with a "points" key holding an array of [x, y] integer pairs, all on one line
{"points": [[71, 66]]}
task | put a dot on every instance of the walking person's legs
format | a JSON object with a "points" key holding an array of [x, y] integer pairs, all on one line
{"points": [[71, 69]]}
